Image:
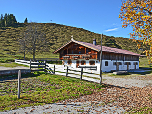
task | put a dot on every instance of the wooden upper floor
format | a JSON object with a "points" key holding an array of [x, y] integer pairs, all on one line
{"points": [[76, 51]]}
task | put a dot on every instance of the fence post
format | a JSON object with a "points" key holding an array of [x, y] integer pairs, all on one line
{"points": [[19, 76], [45, 64], [30, 63], [101, 78], [67, 71], [54, 69], [81, 73], [38, 64]]}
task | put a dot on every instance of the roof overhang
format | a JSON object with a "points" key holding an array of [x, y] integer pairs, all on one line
{"points": [[72, 40]]}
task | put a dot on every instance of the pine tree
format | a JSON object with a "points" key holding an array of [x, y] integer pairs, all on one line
{"points": [[26, 21], [8, 20], [13, 19], [1, 20], [5, 19]]}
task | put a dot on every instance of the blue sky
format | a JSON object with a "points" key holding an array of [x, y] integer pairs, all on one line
{"points": [[99, 16]]}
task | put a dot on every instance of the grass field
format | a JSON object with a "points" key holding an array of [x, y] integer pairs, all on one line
{"points": [[11, 64], [40, 88]]}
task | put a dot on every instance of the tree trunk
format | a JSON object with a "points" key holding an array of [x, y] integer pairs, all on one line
{"points": [[33, 54], [24, 54]]}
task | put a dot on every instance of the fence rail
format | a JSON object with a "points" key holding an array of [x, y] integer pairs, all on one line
{"points": [[43, 59], [81, 73], [33, 64]]}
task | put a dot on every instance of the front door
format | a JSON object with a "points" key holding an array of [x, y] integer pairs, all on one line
{"points": [[127, 65], [77, 64], [135, 65], [117, 66]]}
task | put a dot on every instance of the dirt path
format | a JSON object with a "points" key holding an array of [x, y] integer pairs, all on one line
{"points": [[11, 68], [136, 81]]}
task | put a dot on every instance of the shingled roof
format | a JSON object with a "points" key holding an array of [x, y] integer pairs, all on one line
{"points": [[98, 48]]}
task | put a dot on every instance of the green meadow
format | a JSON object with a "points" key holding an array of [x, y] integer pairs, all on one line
{"points": [[39, 88]]}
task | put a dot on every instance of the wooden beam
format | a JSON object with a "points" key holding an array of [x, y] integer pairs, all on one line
{"points": [[101, 61]]}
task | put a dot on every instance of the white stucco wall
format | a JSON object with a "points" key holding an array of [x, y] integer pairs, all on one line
{"points": [[105, 68]]}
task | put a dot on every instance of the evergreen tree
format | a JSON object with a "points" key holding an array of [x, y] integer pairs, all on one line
{"points": [[13, 19], [1, 20], [5, 19], [8, 20], [26, 21]]}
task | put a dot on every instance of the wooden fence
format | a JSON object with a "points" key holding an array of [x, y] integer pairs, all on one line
{"points": [[38, 66], [43, 59], [81, 73], [34, 66], [23, 62]]}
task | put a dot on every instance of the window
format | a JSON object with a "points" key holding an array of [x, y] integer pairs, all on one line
{"points": [[114, 63], [92, 62], [69, 62], [129, 63], [135, 63], [106, 63], [120, 63], [83, 62], [86, 50]]}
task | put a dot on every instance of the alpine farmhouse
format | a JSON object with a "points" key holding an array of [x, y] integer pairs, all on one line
{"points": [[76, 53]]}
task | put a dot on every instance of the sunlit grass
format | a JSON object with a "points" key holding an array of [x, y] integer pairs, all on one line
{"points": [[43, 89]]}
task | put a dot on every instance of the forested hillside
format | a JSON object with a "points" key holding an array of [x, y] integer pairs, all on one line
{"points": [[58, 35]]}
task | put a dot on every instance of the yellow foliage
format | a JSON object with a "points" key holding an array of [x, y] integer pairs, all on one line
{"points": [[138, 14]]}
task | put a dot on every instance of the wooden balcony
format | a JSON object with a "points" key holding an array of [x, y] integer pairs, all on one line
{"points": [[78, 56]]}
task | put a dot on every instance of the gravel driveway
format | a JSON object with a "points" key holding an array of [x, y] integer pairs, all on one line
{"points": [[126, 93]]}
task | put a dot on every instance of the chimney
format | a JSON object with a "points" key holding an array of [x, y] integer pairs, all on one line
{"points": [[94, 41]]}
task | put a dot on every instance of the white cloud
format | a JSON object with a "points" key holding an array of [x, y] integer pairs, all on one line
{"points": [[114, 24], [111, 29]]}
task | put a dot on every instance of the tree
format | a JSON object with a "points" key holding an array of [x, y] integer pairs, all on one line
{"points": [[8, 20], [138, 14], [33, 40], [26, 21], [13, 19], [5, 19], [23, 43], [2, 21]]}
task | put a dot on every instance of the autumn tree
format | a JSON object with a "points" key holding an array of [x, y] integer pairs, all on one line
{"points": [[33, 40], [138, 14]]}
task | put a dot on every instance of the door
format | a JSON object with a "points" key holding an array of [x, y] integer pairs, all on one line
{"points": [[117, 66], [127, 65], [77, 64], [135, 65]]}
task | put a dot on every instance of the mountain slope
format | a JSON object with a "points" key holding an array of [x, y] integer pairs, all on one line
{"points": [[58, 35]]}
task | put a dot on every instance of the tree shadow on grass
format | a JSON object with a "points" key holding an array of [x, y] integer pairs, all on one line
{"points": [[8, 78]]}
